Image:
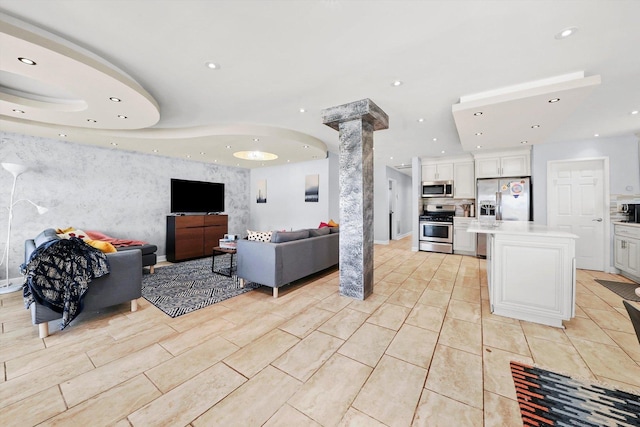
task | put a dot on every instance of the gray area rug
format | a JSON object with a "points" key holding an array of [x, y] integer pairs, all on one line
{"points": [[184, 287], [624, 289]]}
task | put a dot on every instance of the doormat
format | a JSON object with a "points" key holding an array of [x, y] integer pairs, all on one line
{"points": [[184, 287], [624, 289], [550, 399]]}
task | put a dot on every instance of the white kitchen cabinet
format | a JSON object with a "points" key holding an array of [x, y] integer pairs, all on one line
{"points": [[503, 164], [463, 243], [530, 271], [464, 180], [437, 171], [627, 250]]}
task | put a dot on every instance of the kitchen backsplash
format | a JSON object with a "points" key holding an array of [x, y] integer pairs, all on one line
{"points": [[458, 203]]}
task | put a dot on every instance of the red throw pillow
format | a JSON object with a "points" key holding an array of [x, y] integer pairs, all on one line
{"points": [[323, 224]]}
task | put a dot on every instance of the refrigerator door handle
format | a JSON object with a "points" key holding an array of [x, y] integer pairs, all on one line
{"points": [[498, 206]]}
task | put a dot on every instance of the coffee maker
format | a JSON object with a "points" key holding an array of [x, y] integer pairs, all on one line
{"points": [[633, 211]]}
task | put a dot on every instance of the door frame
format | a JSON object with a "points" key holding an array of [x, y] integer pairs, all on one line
{"points": [[606, 216]]}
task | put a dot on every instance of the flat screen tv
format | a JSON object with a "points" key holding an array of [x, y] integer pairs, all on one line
{"points": [[196, 196]]}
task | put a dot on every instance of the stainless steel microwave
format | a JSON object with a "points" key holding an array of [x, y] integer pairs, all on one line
{"points": [[437, 189]]}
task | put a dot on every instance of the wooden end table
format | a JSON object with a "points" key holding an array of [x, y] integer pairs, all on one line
{"points": [[217, 250]]}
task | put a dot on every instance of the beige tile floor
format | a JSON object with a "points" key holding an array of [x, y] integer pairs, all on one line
{"points": [[423, 350]]}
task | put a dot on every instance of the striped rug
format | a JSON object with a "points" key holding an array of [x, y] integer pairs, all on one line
{"points": [[184, 287], [549, 399]]}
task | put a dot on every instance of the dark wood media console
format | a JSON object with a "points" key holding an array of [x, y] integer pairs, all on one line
{"points": [[194, 236]]}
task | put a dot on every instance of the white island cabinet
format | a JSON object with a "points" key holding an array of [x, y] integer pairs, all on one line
{"points": [[531, 271]]}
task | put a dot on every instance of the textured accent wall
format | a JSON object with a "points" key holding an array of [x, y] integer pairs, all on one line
{"points": [[121, 193]]}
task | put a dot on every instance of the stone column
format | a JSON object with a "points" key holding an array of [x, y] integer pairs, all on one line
{"points": [[356, 122]]}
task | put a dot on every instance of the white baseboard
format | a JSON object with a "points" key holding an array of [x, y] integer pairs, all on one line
{"points": [[162, 258], [380, 242]]}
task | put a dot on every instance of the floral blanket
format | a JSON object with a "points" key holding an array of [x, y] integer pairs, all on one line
{"points": [[58, 274]]}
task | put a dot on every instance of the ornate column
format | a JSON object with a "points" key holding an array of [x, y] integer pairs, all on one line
{"points": [[356, 122]]}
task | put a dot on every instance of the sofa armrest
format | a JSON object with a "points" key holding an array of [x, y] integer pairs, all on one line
{"points": [[257, 262], [29, 247]]}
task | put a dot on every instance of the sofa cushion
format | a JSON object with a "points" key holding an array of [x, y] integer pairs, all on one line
{"points": [[46, 236], [289, 236], [334, 229], [260, 236], [315, 232]]}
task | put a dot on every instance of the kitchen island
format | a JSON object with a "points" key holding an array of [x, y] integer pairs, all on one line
{"points": [[530, 271]]}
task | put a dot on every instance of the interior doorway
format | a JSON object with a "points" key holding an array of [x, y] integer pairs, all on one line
{"points": [[393, 209], [577, 194]]}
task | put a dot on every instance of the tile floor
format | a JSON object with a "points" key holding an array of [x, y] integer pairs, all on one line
{"points": [[423, 350]]}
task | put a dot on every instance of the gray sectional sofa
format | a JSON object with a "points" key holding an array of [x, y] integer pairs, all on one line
{"points": [[122, 284], [288, 257]]}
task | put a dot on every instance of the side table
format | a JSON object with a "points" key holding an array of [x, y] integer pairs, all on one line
{"points": [[217, 250]]}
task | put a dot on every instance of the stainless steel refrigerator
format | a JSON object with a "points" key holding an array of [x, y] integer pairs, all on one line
{"points": [[502, 199]]}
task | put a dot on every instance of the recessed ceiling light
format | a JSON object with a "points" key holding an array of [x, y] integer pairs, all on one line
{"points": [[15, 110], [478, 133], [391, 158], [62, 134], [442, 152], [202, 153], [477, 113], [420, 120], [396, 83], [524, 142], [478, 146], [256, 139], [596, 135], [120, 116], [212, 65], [155, 151], [535, 126], [114, 144], [288, 161], [188, 156], [435, 139], [228, 146], [554, 100], [302, 110], [634, 112], [114, 99], [566, 33], [92, 121], [27, 61], [306, 146]]}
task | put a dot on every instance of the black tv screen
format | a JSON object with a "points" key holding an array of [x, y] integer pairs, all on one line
{"points": [[196, 196]]}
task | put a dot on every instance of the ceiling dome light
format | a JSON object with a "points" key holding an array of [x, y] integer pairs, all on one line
{"points": [[255, 155], [27, 61], [114, 99], [396, 83], [477, 113], [212, 65], [566, 33], [554, 100]]}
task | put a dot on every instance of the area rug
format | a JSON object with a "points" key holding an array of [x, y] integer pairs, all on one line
{"points": [[184, 287], [624, 289], [550, 399]]}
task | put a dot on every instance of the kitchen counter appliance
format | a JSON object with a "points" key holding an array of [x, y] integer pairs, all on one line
{"points": [[436, 228], [502, 199]]}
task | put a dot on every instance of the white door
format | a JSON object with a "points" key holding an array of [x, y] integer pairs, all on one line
{"points": [[576, 202]]}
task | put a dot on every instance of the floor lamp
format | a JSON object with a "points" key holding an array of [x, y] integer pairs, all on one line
{"points": [[15, 170]]}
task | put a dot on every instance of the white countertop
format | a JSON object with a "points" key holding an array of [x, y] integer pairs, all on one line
{"points": [[630, 224], [517, 228]]}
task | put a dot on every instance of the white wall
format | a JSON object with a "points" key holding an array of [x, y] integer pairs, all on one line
{"points": [[123, 194], [623, 163], [285, 208]]}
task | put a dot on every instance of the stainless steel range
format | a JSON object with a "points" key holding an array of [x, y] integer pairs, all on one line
{"points": [[436, 228]]}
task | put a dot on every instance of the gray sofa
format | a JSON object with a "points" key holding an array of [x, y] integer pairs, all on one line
{"points": [[288, 257], [122, 284]]}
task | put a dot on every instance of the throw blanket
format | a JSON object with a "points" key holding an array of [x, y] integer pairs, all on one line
{"points": [[58, 274], [97, 235]]}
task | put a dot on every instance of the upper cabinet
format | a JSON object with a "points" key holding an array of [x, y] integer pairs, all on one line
{"points": [[464, 180], [503, 163], [432, 171]]}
